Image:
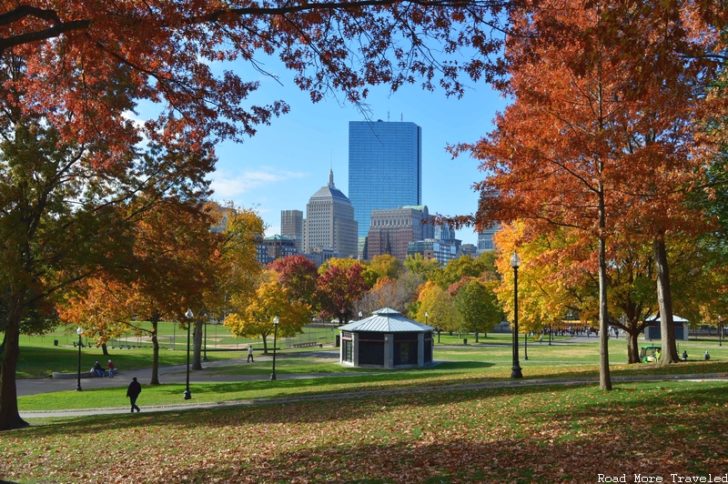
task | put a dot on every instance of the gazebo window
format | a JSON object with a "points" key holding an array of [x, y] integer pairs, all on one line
{"points": [[371, 353], [347, 350], [405, 349]]}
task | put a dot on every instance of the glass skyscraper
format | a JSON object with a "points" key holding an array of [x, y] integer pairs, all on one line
{"points": [[385, 167]]}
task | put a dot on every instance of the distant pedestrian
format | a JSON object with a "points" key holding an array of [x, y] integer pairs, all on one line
{"points": [[133, 393], [111, 368], [98, 370], [706, 355], [685, 355], [250, 354]]}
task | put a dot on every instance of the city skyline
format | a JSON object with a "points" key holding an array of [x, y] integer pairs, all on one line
{"points": [[283, 164]]}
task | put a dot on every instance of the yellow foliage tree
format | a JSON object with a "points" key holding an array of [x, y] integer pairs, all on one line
{"points": [[254, 316], [439, 306], [542, 298]]}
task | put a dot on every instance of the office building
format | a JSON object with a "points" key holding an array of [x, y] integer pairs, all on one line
{"points": [[439, 250], [329, 223], [385, 168], [486, 241], [391, 230], [272, 248], [469, 250], [292, 227]]}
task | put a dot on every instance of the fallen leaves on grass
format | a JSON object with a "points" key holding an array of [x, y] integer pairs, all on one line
{"points": [[541, 434]]}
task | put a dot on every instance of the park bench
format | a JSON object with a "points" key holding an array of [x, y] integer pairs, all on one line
{"points": [[124, 347], [57, 375], [309, 344]]}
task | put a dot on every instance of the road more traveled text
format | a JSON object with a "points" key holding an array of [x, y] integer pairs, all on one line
{"points": [[673, 477]]}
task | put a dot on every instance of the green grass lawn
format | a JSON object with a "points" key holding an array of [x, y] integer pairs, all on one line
{"points": [[40, 356], [465, 364], [537, 434]]}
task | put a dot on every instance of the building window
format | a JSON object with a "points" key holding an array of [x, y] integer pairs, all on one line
{"points": [[347, 350]]}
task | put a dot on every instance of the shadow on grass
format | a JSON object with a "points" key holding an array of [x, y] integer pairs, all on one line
{"points": [[316, 411], [40, 362], [547, 451], [635, 370]]}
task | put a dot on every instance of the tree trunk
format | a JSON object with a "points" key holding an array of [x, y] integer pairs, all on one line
{"points": [[104, 349], [476, 335], [9, 415], [197, 342], [664, 301], [155, 353], [265, 344], [605, 380], [633, 350]]}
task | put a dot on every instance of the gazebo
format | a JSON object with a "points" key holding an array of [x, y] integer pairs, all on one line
{"points": [[386, 339], [652, 331]]}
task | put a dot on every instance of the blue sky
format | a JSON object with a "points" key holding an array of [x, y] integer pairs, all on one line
{"points": [[286, 162]]}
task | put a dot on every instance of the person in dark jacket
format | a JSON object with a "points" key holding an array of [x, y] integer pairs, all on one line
{"points": [[133, 393]]}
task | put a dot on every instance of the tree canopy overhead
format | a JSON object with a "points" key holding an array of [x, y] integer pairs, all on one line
{"points": [[179, 55]]}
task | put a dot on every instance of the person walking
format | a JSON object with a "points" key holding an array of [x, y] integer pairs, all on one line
{"points": [[250, 354], [133, 393]]}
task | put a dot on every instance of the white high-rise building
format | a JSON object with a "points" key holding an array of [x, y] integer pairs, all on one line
{"points": [[329, 223]]}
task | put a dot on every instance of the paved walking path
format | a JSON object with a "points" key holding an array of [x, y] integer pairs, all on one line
{"points": [[536, 382], [168, 374]]}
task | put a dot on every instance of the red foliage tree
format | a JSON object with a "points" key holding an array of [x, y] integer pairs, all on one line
{"points": [[338, 290], [298, 274]]}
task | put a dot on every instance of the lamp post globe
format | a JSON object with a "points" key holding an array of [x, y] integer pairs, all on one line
{"points": [[189, 315], [79, 332], [276, 321], [516, 370]]}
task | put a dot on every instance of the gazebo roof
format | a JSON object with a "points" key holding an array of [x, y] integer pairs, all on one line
{"points": [[656, 317], [386, 320]]}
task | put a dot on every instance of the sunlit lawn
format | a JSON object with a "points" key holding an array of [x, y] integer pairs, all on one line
{"points": [[39, 356], [456, 364], [537, 434]]}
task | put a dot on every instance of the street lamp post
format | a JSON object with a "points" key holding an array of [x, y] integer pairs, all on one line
{"points": [[189, 315], [79, 332], [276, 320], [516, 370]]}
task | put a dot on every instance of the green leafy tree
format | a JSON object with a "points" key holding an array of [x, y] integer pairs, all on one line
{"points": [[478, 306], [425, 268]]}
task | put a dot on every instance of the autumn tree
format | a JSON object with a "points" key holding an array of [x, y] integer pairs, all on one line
{"points": [[170, 270], [385, 265], [98, 305], [341, 284], [254, 316], [74, 76], [584, 129], [438, 304], [297, 274], [399, 294]]}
